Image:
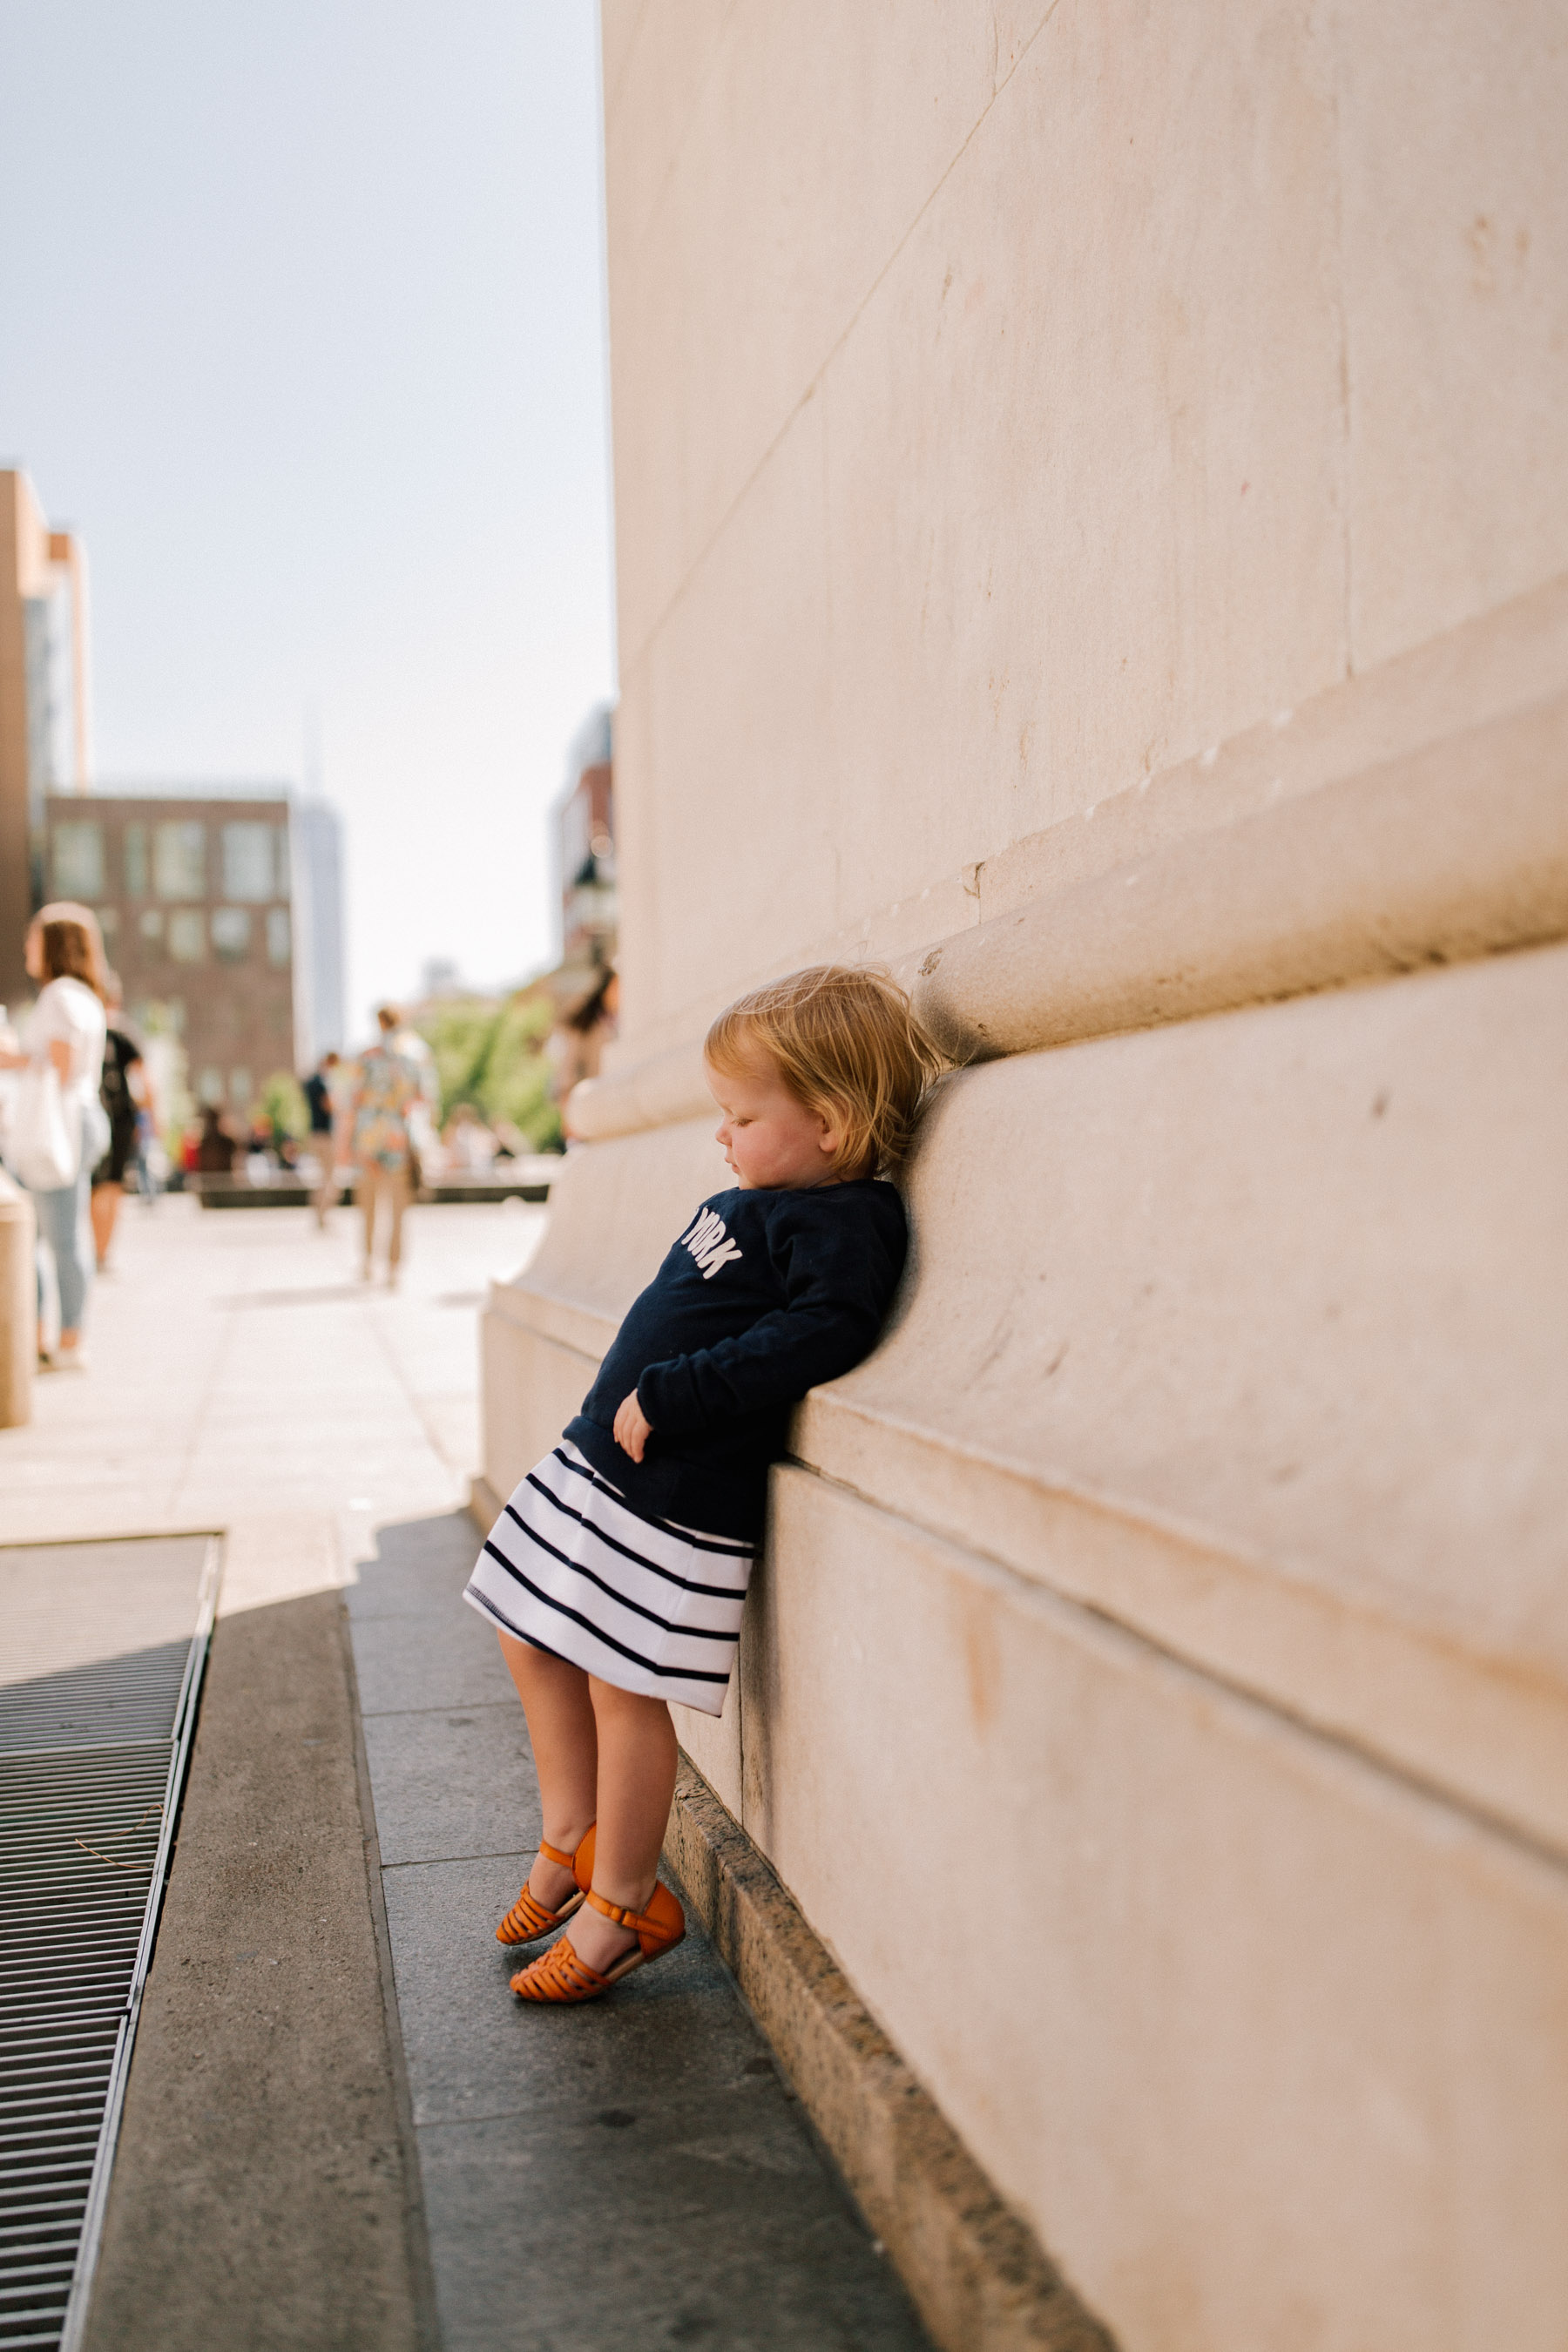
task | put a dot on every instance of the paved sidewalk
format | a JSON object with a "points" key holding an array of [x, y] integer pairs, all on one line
{"points": [[242, 1377], [633, 2170]]}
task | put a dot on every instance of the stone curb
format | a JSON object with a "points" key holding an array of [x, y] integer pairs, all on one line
{"points": [[974, 2272]]}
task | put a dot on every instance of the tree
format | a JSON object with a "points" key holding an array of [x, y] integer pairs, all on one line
{"points": [[489, 1055]]}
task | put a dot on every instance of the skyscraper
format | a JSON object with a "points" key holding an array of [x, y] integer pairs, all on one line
{"points": [[316, 841]]}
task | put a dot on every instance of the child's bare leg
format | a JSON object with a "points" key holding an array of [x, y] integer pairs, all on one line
{"points": [[636, 1782], [560, 1714]]}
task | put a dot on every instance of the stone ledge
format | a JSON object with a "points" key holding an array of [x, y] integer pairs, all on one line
{"points": [[1410, 816], [975, 2274]]}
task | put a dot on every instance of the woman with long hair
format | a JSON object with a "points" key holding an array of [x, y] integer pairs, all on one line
{"points": [[67, 1026]]}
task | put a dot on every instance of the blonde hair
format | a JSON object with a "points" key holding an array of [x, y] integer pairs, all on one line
{"points": [[846, 1041]]}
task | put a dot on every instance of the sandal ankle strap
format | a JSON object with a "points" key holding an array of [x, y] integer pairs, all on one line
{"points": [[637, 1920], [554, 1852]]}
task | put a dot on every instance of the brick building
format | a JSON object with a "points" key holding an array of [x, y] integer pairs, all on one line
{"points": [[220, 915]]}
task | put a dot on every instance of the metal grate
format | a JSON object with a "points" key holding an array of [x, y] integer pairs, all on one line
{"points": [[106, 1705], [92, 1762]]}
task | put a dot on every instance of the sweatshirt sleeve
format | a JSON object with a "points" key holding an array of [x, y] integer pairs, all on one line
{"points": [[839, 1273]]}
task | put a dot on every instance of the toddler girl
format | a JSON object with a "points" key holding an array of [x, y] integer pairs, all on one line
{"points": [[616, 1573]]}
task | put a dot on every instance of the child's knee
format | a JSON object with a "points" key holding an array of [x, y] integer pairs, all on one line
{"points": [[609, 1699]]}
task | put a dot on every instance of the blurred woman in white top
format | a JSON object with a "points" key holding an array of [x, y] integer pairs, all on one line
{"points": [[64, 957]]}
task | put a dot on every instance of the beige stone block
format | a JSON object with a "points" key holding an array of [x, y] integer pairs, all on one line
{"points": [[736, 689], [772, 224], [899, 933], [657, 62], [1283, 2057], [713, 1744], [1454, 263], [1080, 520], [1084, 442], [532, 1387], [667, 1087], [619, 21]]}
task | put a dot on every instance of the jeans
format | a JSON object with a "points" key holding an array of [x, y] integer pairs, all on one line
{"points": [[62, 1222]]}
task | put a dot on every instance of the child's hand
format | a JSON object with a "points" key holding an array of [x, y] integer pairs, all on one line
{"points": [[633, 1430]]}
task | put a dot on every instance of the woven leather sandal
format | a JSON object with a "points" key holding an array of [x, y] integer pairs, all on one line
{"points": [[559, 1974], [528, 1920]]}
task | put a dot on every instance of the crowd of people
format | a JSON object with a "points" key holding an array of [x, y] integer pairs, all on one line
{"points": [[81, 1123]]}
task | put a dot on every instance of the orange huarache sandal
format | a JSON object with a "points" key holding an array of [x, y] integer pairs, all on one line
{"points": [[528, 1920], [559, 1974]]}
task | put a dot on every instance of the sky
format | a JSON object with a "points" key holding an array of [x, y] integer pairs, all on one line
{"points": [[302, 329]]}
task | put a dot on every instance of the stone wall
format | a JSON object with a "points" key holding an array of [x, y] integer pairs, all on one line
{"points": [[1092, 513]]}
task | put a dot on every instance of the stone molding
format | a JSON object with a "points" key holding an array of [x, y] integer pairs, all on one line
{"points": [[1453, 853], [1331, 870]]}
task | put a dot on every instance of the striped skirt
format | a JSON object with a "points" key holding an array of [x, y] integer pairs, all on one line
{"points": [[644, 1604]]}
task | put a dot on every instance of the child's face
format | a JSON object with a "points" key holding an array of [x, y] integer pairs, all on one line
{"points": [[771, 1142]]}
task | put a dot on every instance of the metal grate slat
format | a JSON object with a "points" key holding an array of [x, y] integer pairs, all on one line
{"points": [[93, 1763]]}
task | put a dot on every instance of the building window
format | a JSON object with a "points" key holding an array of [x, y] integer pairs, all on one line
{"points": [[78, 859], [239, 1088], [231, 934], [136, 861], [209, 1088], [187, 934], [278, 934], [254, 864], [150, 923], [180, 859]]}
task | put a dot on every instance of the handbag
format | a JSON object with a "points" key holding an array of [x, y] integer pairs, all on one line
{"points": [[44, 1153], [97, 1132]]}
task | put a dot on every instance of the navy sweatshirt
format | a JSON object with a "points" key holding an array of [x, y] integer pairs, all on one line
{"points": [[765, 1295]]}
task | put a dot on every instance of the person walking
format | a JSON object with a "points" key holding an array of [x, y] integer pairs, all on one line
{"points": [[124, 1096], [319, 1090], [65, 1033], [386, 1090]]}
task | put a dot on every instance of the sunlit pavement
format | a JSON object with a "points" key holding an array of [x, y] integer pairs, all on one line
{"points": [[241, 1376]]}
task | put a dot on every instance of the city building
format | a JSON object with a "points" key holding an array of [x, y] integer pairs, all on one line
{"points": [[45, 743], [1092, 513], [583, 845], [221, 911]]}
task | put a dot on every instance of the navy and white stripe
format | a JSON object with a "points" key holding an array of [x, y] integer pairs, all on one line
{"points": [[649, 1606]]}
